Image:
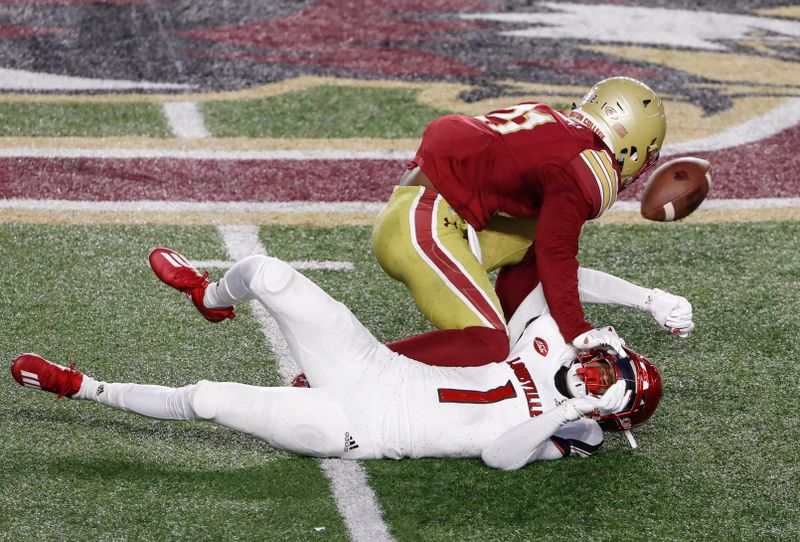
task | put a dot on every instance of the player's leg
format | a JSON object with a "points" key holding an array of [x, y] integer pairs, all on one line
{"points": [[419, 240], [33, 371], [308, 422], [505, 240], [305, 421], [323, 335]]}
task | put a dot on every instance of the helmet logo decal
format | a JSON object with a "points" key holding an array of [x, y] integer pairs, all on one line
{"points": [[611, 112], [540, 345]]}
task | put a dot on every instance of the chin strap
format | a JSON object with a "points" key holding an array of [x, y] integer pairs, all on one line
{"points": [[631, 440]]}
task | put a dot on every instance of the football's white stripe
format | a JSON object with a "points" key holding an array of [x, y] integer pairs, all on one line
{"points": [[669, 212], [32, 383], [355, 500], [29, 375]]}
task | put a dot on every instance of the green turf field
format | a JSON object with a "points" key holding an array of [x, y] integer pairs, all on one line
{"points": [[717, 462]]}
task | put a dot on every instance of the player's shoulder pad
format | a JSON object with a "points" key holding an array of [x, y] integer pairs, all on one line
{"points": [[599, 178]]}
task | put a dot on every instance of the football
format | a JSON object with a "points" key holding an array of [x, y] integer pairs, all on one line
{"points": [[675, 189]]}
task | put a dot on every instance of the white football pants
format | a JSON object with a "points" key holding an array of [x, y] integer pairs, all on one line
{"points": [[327, 341]]}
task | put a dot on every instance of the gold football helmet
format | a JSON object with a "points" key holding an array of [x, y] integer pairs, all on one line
{"points": [[629, 116]]}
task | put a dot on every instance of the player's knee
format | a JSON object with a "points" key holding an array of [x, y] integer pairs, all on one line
{"points": [[272, 275], [317, 430], [317, 441], [204, 400]]}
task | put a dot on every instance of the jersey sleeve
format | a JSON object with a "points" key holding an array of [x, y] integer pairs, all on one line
{"points": [[563, 213], [599, 287], [598, 179], [544, 437]]}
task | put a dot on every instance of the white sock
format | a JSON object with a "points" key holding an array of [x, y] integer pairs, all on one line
{"points": [[216, 297], [234, 287], [160, 402], [88, 388]]}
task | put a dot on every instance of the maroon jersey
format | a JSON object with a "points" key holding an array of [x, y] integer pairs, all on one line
{"points": [[529, 161]]}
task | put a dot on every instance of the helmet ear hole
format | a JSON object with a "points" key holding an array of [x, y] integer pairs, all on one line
{"points": [[634, 154], [645, 103]]}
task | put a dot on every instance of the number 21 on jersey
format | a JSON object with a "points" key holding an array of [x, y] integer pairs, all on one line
{"points": [[513, 119]]}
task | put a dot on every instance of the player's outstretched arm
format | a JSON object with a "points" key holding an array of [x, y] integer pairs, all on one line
{"points": [[673, 313]]}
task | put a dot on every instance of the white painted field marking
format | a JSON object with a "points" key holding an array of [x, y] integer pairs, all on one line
{"points": [[300, 265], [296, 207], [185, 120], [723, 204], [756, 129], [354, 498], [371, 207], [11, 79], [203, 154]]}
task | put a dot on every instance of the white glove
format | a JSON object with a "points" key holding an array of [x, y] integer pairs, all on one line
{"points": [[672, 312], [599, 337], [612, 401]]}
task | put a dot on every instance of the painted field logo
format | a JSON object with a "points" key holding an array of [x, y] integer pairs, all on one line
{"points": [[540, 345]]}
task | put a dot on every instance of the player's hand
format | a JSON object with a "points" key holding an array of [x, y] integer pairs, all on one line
{"points": [[672, 312], [601, 337], [612, 401]]}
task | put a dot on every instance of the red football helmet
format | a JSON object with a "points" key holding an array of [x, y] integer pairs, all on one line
{"points": [[599, 369]]}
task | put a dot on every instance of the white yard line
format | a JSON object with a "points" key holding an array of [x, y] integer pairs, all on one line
{"points": [[185, 120], [193, 206], [11, 79], [354, 498], [300, 265], [294, 207], [203, 154], [722, 204]]}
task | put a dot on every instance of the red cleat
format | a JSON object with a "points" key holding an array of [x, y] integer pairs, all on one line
{"points": [[35, 372], [176, 271]]}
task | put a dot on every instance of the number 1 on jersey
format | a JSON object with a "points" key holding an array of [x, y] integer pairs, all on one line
{"points": [[494, 395]]}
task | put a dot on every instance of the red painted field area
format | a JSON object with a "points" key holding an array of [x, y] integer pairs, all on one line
{"points": [[766, 169]]}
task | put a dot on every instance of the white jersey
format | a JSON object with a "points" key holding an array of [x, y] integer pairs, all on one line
{"points": [[410, 409]]}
